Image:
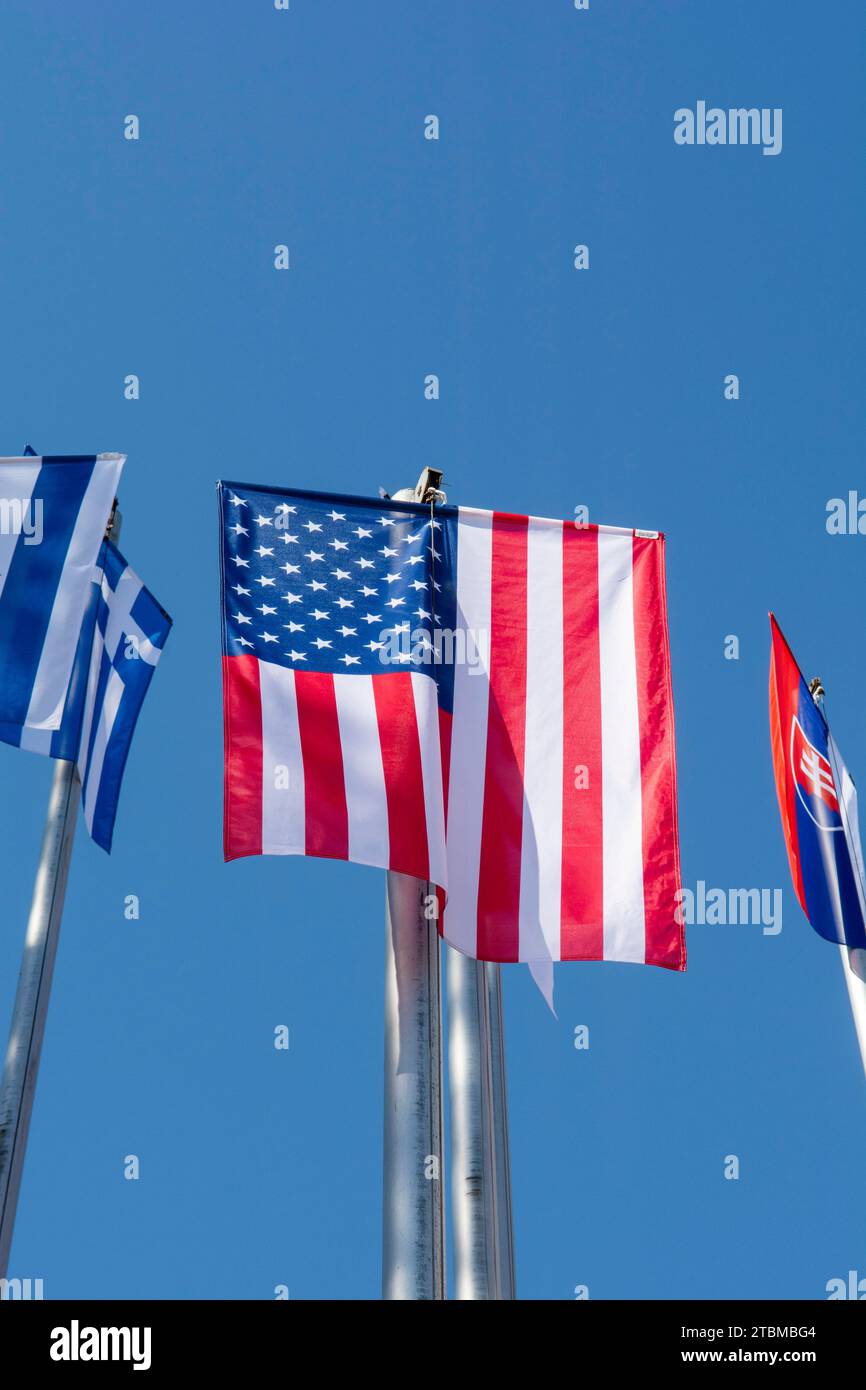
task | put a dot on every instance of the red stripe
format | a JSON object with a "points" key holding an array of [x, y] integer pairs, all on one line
{"points": [[784, 704], [445, 726], [242, 776], [665, 936], [326, 814], [401, 764], [582, 905], [445, 721], [502, 818]]}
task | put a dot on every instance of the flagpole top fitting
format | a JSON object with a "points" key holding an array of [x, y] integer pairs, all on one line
{"points": [[816, 689], [429, 486]]}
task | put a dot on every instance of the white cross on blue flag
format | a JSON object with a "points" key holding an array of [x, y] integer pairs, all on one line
{"points": [[119, 645]]}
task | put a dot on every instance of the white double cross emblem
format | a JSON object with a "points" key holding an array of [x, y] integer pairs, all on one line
{"points": [[817, 773]]}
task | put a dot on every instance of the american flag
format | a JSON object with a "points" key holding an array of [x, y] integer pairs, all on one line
{"points": [[474, 698]]}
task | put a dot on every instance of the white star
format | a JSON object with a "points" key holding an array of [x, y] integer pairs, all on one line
{"points": [[294, 627], [374, 646], [416, 584], [265, 582], [347, 631], [386, 551], [345, 603], [361, 532], [421, 613], [367, 592], [394, 602], [239, 530], [297, 656], [284, 508], [318, 614], [293, 598], [414, 560], [316, 585], [337, 516], [341, 574], [241, 618], [292, 569], [264, 521], [435, 553], [339, 545], [410, 540], [287, 539], [365, 564], [238, 501], [391, 578], [350, 660], [243, 564], [268, 637], [265, 550], [312, 526], [239, 589], [321, 642], [386, 521], [313, 555], [437, 587], [265, 609], [372, 617], [243, 641]]}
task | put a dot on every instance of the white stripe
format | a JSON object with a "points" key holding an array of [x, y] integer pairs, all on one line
{"points": [[17, 481], [622, 847], [541, 851], [469, 731], [363, 774], [427, 715], [472, 513], [119, 603], [114, 689], [89, 701], [283, 816], [35, 740], [70, 600]]}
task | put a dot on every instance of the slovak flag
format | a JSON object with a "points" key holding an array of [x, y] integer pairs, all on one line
{"points": [[818, 804]]}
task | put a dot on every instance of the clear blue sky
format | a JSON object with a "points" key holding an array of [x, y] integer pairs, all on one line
{"points": [[558, 387]]}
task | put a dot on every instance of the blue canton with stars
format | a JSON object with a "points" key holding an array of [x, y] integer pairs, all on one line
{"points": [[322, 582]]}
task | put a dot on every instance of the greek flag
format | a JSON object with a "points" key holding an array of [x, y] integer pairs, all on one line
{"points": [[53, 514], [119, 643]]}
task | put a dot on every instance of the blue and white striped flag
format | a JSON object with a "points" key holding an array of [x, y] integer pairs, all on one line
{"points": [[53, 514], [119, 644]]}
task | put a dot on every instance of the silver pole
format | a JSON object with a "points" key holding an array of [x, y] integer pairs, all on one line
{"points": [[501, 1150], [856, 982], [34, 988], [413, 1225], [27, 1030], [480, 1162], [473, 1177]]}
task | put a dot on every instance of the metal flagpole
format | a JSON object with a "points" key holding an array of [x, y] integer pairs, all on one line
{"points": [[856, 983], [30, 1009], [480, 1162], [413, 1225], [499, 1127]]}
